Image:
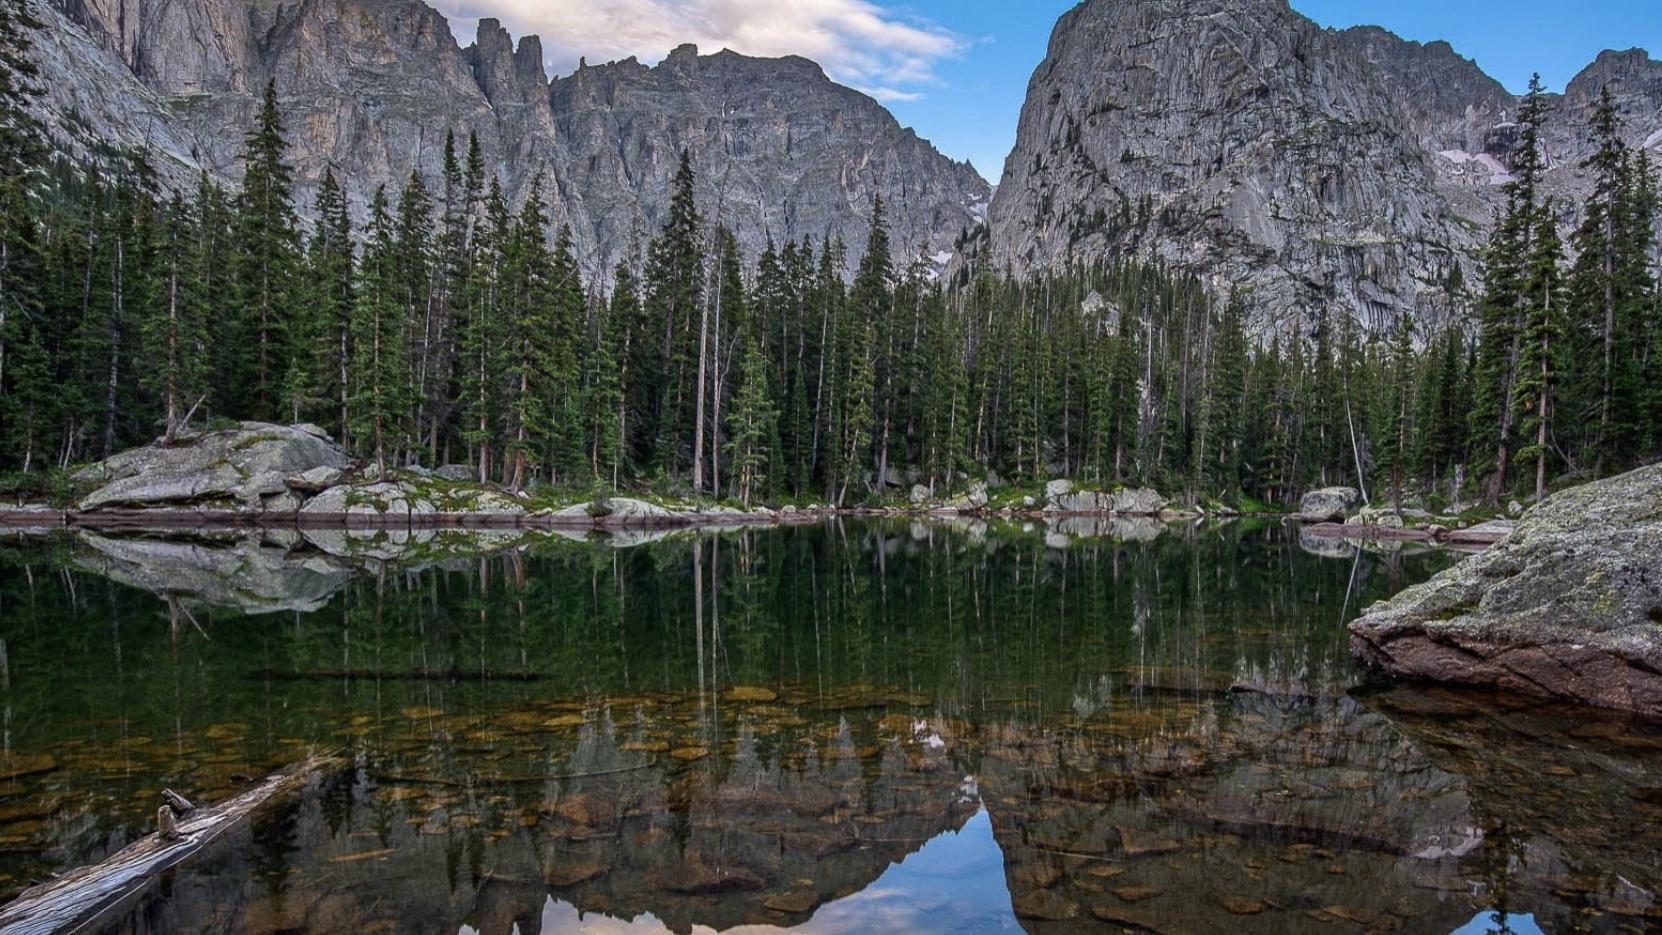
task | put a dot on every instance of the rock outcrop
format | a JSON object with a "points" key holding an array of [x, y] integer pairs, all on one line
{"points": [[1306, 166], [1328, 503], [1568, 605], [248, 468], [370, 87]]}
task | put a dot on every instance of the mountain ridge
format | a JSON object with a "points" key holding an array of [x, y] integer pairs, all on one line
{"points": [[369, 88], [1307, 166]]}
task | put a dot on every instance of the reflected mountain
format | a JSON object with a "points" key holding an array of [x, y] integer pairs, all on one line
{"points": [[1192, 812]]}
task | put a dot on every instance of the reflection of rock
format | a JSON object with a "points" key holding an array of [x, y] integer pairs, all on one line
{"points": [[1325, 546], [1168, 828], [231, 469], [1117, 528], [1568, 605], [246, 575]]}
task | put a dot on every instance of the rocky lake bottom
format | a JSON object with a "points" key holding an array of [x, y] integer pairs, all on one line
{"points": [[852, 726]]}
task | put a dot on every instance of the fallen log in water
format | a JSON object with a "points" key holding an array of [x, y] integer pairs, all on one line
{"points": [[88, 897]]}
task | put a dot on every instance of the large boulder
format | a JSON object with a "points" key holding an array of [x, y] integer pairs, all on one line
{"points": [[1378, 519], [1328, 503], [1568, 605], [625, 511], [237, 468], [1139, 501], [382, 498]]}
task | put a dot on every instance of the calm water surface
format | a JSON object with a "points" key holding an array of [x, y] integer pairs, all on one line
{"points": [[854, 727]]}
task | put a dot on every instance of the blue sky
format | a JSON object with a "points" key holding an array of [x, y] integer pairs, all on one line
{"points": [[957, 70], [972, 112]]}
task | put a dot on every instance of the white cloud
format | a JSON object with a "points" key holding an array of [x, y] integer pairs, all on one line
{"points": [[857, 41]]}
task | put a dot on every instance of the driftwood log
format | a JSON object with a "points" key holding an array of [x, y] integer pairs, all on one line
{"points": [[84, 899]]}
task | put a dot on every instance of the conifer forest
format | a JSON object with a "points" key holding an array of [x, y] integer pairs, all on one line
{"points": [[449, 326]]}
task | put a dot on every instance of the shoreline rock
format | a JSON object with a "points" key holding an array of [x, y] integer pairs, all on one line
{"points": [[1328, 504], [1568, 605]]}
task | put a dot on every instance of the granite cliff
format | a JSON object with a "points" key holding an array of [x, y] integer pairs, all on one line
{"points": [[1305, 165], [371, 87]]}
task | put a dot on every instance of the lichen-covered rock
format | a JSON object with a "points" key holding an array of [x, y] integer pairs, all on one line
{"points": [[1081, 501], [624, 510], [973, 499], [1381, 519], [1139, 501], [455, 472], [230, 469], [1328, 503], [382, 498], [1568, 605], [316, 480]]}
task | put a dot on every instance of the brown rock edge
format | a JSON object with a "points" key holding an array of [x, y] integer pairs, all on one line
{"points": [[1568, 606]]}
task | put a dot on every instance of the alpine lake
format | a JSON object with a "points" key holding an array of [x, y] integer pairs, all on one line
{"points": [[853, 726]]}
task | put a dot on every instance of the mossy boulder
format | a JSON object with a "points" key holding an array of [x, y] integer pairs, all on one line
{"points": [[1568, 605]]}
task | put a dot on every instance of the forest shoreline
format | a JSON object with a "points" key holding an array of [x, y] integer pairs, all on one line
{"points": [[28, 516]]}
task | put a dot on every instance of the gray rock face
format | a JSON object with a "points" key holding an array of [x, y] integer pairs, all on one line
{"points": [[248, 576], [1568, 605], [623, 510], [1308, 166], [370, 87], [1328, 503], [382, 498], [232, 469], [1140, 501]]}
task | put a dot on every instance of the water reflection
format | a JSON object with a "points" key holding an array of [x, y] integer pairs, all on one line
{"points": [[844, 728], [953, 884]]}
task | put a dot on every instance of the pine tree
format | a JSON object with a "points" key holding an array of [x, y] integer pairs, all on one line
{"points": [[870, 303], [664, 362], [751, 425], [379, 400], [1599, 376], [530, 330], [329, 263], [1535, 392], [483, 332], [621, 324], [1227, 391], [1398, 400], [23, 356], [856, 406], [175, 338], [266, 262], [1506, 296]]}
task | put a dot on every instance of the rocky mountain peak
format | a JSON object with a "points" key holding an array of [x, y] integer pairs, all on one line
{"points": [[1308, 167], [371, 88], [507, 75]]}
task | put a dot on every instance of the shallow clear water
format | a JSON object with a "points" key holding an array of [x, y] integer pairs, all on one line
{"points": [[852, 727]]}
